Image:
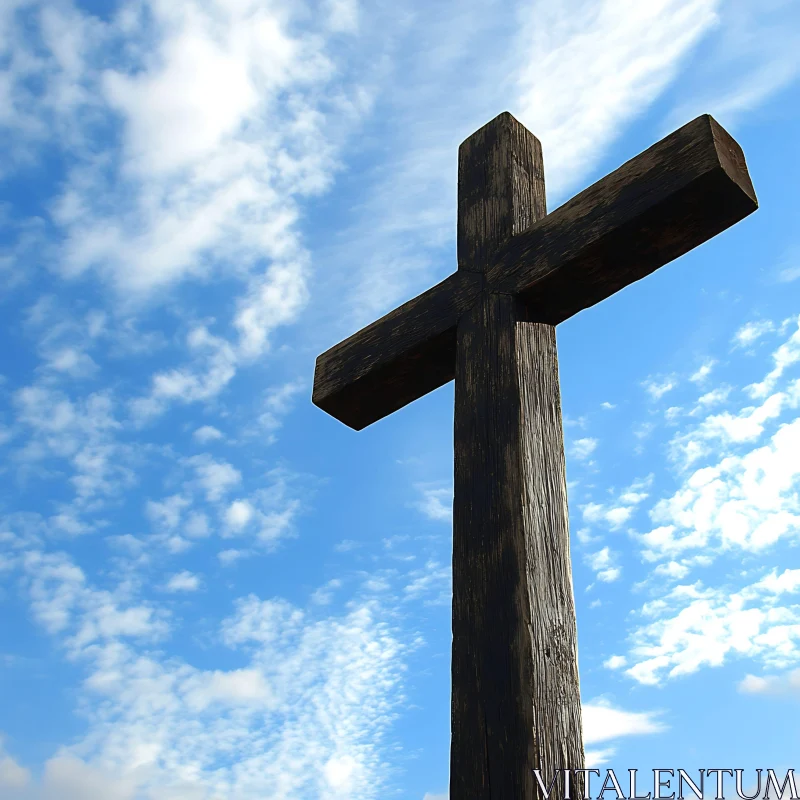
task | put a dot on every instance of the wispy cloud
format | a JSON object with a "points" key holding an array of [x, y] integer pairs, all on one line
{"points": [[782, 684], [184, 581], [433, 584], [436, 502], [604, 722], [164, 728], [657, 389], [752, 332], [738, 74], [581, 449], [206, 434], [608, 59]]}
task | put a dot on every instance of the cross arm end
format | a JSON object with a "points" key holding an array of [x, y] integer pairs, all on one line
{"points": [[400, 357], [669, 199]]}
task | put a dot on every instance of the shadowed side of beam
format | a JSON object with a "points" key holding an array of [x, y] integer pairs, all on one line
{"points": [[400, 357], [680, 192]]}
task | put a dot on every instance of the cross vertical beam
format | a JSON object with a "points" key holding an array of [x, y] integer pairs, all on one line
{"points": [[515, 698]]}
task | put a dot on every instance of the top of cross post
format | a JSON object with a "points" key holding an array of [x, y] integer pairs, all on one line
{"points": [[500, 189]]}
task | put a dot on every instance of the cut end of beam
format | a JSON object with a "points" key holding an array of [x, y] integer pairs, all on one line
{"points": [[402, 356], [731, 159]]}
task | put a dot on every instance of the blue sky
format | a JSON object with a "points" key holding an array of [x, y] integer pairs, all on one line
{"points": [[209, 589]]}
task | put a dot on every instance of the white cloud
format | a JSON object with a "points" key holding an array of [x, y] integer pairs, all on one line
{"points": [[82, 432], [437, 501], [786, 683], [657, 389], [603, 722], [245, 687], [167, 513], [615, 662], [213, 168], [238, 514], [738, 73], [751, 332], [602, 562], [325, 688], [581, 449], [68, 778], [184, 581], [609, 59], [207, 433], [718, 395], [433, 583], [64, 603], [12, 775], [694, 627], [194, 134], [324, 595], [196, 525], [230, 556], [785, 356], [743, 502], [614, 516], [215, 478], [278, 403], [72, 362], [672, 569], [215, 363], [703, 371], [789, 267]]}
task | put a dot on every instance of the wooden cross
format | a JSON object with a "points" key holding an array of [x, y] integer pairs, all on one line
{"points": [[491, 325]]}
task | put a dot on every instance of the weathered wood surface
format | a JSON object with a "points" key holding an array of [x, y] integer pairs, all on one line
{"points": [[515, 698], [501, 153], [685, 189], [672, 197], [400, 357]]}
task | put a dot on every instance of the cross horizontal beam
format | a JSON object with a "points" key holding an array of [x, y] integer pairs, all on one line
{"points": [[666, 201], [685, 189]]}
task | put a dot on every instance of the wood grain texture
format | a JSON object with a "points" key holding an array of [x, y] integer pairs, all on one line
{"points": [[501, 154], [515, 696], [400, 357], [680, 192]]}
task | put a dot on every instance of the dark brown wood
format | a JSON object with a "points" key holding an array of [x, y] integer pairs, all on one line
{"points": [[672, 197], [502, 153], [400, 357], [516, 697], [685, 189], [515, 688]]}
